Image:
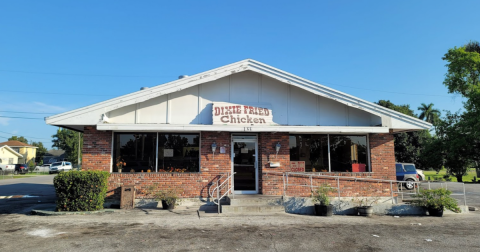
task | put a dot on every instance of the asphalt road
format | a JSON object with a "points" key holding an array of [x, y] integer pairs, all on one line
{"points": [[39, 190]]}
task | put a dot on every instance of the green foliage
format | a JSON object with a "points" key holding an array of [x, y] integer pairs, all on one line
{"points": [[429, 113], [41, 150], [320, 196], [170, 196], [68, 141], [81, 190], [405, 109], [16, 138], [437, 199]]}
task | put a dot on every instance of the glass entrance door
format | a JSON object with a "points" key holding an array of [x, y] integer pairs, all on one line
{"points": [[244, 162]]}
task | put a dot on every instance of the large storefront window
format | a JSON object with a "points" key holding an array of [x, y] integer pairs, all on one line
{"points": [[138, 151], [312, 149], [347, 153], [178, 152]]}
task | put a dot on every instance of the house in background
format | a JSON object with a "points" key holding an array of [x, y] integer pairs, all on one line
{"points": [[53, 156], [8, 156], [27, 151]]}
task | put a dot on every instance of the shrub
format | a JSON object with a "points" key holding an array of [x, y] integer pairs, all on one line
{"points": [[81, 190], [320, 196], [437, 199]]}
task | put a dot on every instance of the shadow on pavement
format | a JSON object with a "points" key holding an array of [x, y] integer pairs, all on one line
{"points": [[24, 197]]}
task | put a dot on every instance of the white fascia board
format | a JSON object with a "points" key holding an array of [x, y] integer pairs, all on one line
{"points": [[230, 128], [230, 69], [12, 150]]}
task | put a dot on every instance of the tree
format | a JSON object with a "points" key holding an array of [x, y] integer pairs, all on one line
{"points": [[463, 77], [16, 138], [408, 145], [429, 113], [68, 141], [41, 151]]}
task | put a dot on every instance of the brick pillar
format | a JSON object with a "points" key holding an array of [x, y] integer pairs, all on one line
{"points": [[382, 156], [271, 184], [97, 149], [220, 163]]}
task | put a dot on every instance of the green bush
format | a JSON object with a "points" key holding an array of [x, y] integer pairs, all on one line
{"points": [[81, 190], [437, 199]]}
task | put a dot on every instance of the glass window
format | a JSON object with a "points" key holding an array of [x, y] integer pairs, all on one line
{"points": [[410, 168], [348, 153], [312, 149], [399, 167], [134, 152], [178, 152]]}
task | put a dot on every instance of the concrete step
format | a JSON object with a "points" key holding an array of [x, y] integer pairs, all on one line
{"points": [[256, 200], [253, 209]]}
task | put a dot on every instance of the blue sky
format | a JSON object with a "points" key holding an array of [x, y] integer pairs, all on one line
{"points": [[60, 55]]}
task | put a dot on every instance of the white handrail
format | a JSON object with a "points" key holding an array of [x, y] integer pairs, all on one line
{"points": [[221, 186]]}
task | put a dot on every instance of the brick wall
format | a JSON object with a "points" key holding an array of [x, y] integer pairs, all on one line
{"points": [[97, 149], [189, 185], [266, 145]]}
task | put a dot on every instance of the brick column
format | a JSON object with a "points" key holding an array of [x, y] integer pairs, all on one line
{"points": [[382, 156], [97, 149], [272, 184]]}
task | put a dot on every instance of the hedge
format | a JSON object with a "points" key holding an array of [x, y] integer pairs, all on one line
{"points": [[81, 190]]}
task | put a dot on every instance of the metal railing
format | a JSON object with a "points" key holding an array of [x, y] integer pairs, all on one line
{"points": [[399, 184], [225, 186]]}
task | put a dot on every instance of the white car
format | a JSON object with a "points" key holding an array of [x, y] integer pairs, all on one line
{"points": [[43, 168], [421, 175], [60, 166]]}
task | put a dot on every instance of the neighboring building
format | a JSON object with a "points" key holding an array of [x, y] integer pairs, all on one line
{"points": [[247, 117], [8, 155], [53, 156], [27, 151]]}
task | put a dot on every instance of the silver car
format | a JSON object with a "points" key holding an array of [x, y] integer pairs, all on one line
{"points": [[60, 166]]}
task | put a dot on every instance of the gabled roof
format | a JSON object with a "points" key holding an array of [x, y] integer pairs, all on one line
{"points": [[11, 150], [15, 143], [211, 75]]}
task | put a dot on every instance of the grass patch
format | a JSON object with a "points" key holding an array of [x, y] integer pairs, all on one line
{"points": [[439, 176], [28, 175]]}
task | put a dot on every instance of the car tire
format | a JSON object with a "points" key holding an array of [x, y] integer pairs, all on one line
{"points": [[15, 172], [409, 185]]}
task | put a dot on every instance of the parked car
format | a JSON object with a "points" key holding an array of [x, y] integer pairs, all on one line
{"points": [[7, 167], [43, 168], [421, 176], [60, 166], [407, 172], [21, 169]]}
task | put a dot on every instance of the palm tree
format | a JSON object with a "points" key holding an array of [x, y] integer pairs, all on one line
{"points": [[429, 113]]}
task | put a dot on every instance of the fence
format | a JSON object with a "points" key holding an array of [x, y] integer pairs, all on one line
{"points": [[302, 184]]}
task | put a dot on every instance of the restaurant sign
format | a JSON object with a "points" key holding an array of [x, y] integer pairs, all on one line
{"points": [[236, 114]]}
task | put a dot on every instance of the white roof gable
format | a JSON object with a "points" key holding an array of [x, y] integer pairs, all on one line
{"points": [[11, 150], [92, 115]]}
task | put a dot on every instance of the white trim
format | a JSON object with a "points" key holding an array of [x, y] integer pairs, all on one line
{"points": [[329, 162], [368, 154], [244, 65], [111, 153], [156, 156], [12, 150], [197, 128]]}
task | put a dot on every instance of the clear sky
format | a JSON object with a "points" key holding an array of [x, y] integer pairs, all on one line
{"points": [[56, 56]]}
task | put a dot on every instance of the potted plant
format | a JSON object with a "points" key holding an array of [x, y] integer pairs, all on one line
{"points": [[365, 199], [168, 197], [435, 201], [120, 163], [322, 200]]}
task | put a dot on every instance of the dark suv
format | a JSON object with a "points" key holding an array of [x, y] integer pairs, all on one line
{"points": [[21, 168]]}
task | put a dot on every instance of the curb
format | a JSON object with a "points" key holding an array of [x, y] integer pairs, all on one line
{"points": [[54, 213]]}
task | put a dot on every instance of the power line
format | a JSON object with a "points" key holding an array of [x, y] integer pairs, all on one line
{"points": [[18, 117], [82, 74], [27, 92], [23, 136], [3, 111]]}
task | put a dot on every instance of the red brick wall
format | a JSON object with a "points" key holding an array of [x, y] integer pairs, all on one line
{"points": [[97, 149], [266, 145], [190, 184]]}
